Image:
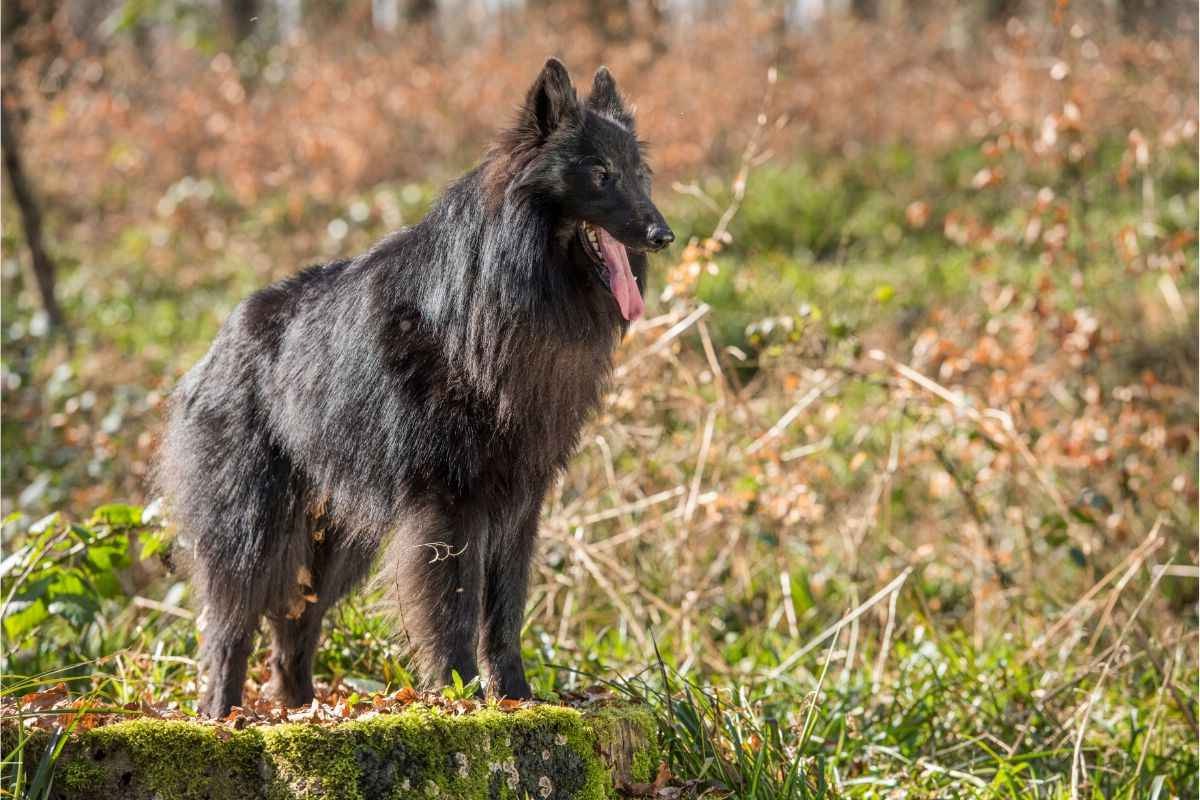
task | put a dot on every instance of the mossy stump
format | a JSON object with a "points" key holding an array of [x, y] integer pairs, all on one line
{"points": [[548, 752]]}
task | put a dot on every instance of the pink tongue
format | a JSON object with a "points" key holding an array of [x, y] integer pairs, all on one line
{"points": [[620, 277]]}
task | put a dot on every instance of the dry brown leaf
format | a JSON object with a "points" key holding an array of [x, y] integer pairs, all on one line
{"points": [[46, 698]]}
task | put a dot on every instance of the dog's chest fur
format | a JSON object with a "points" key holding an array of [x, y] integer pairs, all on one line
{"points": [[543, 398]]}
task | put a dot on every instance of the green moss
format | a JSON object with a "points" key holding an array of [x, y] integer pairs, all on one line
{"points": [[311, 762], [82, 776], [627, 740], [554, 757], [543, 753], [163, 759]]}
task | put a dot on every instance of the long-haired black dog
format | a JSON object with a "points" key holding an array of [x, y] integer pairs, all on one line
{"points": [[414, 404]]}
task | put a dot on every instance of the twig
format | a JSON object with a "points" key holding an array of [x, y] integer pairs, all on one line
{"points": [[789, 605], [693, 190], [714, 364], [664, 340], [748, 160], [893, 586], [165, 608], [806, 449], [588, 564], [1115, 595], [628, 508], [1136, 556], [689, 509], [1077, 765], [1004, 420], [1155, 715], [886, 644], [790, 416]]}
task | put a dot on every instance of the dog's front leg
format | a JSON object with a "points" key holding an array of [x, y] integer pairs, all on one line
{"points": [[439, 586], [506, 582]]}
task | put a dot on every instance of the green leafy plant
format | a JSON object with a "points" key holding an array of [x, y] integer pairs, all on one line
{"points": [[457, 690], [62, 573]]}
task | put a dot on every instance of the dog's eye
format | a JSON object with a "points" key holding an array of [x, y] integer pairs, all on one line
{"points": [[601, 176]]}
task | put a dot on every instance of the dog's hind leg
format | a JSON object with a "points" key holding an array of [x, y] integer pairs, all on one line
{"points": [[437, 566], [242, 563], [228, 638], [225, 662], [293, 646], [337, 565]]}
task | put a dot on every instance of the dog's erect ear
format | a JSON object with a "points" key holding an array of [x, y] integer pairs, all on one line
{"points": [[551, 102], [605, 99]]}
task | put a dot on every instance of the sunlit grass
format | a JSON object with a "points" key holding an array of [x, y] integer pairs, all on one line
{"points": [[1029, 643]]}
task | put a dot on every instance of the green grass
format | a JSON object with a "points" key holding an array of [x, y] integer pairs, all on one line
{"points": [[1032, 650]]}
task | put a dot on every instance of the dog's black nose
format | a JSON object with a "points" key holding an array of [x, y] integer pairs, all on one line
{"points": [[659, 236]]}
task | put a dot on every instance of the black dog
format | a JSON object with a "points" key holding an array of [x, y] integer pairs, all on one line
{"points": [[417, 400]]}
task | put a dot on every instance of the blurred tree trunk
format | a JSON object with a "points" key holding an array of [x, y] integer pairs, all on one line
{"points": [[865, 9], [241, 17], [385, 15], [417, 12], [85, 20], [610, 17], [1155, 15], [1002, 10], [656, 19], [27, 28], [31, 214], [291, 18], [919, 13], [27, 31]]}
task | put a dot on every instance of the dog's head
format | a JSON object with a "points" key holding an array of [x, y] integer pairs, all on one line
{"points": [[585, 161]]}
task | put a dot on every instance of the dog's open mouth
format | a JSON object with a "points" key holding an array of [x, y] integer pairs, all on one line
{"points": [[611, 262]]}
